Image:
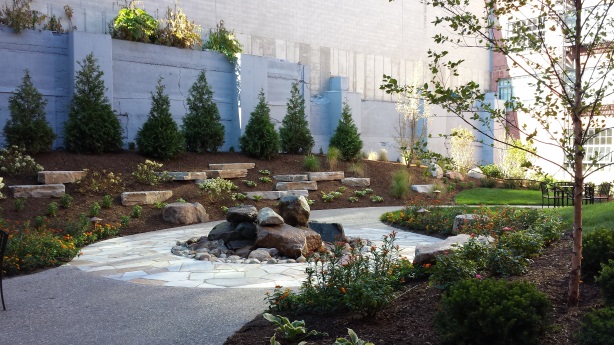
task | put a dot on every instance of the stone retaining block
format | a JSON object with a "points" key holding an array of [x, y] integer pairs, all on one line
{"points": [[38, 191], [276, 194], [186, 175], [145, 198], [55, 177], [232, 166], [326, 176], [307, 185], [422, 188], [227, 173], [290, 178], [356, 181]]}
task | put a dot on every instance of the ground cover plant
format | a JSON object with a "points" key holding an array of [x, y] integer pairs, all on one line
{"points": [[497, 196]]}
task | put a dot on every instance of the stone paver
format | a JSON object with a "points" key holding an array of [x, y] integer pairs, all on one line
{"points": [[146, 258]]}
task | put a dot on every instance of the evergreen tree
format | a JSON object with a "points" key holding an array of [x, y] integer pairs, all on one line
{"points": [[92, 125], [28, 127], [201, 126], [294, 132], [260, 139], [160, 136], [346, 137]]}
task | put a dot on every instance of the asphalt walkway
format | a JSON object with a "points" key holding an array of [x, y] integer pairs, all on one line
{"points": [[131, 290]]}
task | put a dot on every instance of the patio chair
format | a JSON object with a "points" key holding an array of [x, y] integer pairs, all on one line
{"points": [[548, 194], [4, 238], [603, 192], [589, 194]]}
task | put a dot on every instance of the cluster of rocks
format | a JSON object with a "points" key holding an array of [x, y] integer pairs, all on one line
{"points": [[252, 236]]}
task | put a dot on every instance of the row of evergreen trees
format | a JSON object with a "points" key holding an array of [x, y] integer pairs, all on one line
{"points": [[93, 126]]}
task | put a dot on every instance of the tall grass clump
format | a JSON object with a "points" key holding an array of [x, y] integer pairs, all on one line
{"points": [[400, 184]]}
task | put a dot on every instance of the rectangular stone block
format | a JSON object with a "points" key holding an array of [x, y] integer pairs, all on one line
{"points": [[308, 185], [227, 174], [326, 176], [276, 194], [38, 191], [422, 188], [232, 166], [145, 198], [55, 177], [356, 181], [187, 176], [290, 178]]}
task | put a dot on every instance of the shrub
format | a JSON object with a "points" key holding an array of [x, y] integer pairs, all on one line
{"points": [[522, 243], [177, 31], [598, 248], [100, 182], [66, 200], [452, 268], [137, 211], [346, 137], [92, 125], [95, 209], [311, 163], [52, 209], [400, 184], [357, 169], [488, 183], [382, 155], [19, 16], [371, 156], [124, 221], [134, 24], [294, 132], [332, 157], [107, 201], [597, 327], [260, 139], [14, 161], [215, 187], [224, 41], [492, 171], [159, 136], [28, 126], [19, 204], [461, 149], [148, 173], [202, 125], [605, 280], [492, 311], [502, 262]]}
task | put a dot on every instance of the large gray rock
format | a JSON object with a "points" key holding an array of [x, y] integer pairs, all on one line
{"points": [[330, 232], [224, 231], [422, 188], [266, 216], [464, 220], [455, 175], [259, 254], [243, 213], [356, 181], [476, 173], [288, 240], [247, 230], [326, 176], [185, 213], [435, 170], [294, 210], [146, 197], [426, 253], [56, 177], [38, 191]]}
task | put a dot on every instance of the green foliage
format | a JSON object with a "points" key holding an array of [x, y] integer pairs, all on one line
{"points": [[452, 268], [265, 179], [95, 209], [124, 221], [19, 204], [522, 243], [357, 169], [137, 211], [250, 183], [376, 198], [492, 171], [100, 182], [598, 249], [311, 163], [52, 209], [346, 137], [260, 139], [401, 183], [294, 132], [332, 157], [503, 263], [215, 187], [605, 280], [292, 331], [488, 183], [354, 340], [14, 161], [107, 201], [149, 173], [159, 137], [202, 125], [222, 40], [92, 125], [28, 126], [177, 31], [159, 205], [492, 311], [134, 24], [19, 16], [597, 327], [264, 172], [66, 201], [461, 148]]}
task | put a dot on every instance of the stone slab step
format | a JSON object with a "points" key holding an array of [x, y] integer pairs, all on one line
{"points": [[277, 194], [186, 175], [38, 190], [308, 185], [422, 188], [145, 198], [232, 166], [226, 173], [290, 178], [326, 176], [55, 177], [356, 181]]}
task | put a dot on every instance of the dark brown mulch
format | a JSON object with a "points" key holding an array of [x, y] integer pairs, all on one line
{"points": [[409, 318]]}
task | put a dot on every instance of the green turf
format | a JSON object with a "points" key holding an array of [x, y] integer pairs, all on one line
{"points": [[498, 196], [598, 215]]}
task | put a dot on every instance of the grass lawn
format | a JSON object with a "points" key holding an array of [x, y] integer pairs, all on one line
{"points": [[599, 215], [498, 196]]}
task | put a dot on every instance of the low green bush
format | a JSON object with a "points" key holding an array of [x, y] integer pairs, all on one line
{"points": [[14, 161], [311, 163], [452, 268], [597, 327], [492, 171], [489, 311], [522, 243], [150, 173], [400, 186], [488, 183], [605, 280], [598, 248], [215, 187], [503, 263]]}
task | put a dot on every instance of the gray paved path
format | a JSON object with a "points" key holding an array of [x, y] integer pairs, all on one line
{"points": [[114, 293]]}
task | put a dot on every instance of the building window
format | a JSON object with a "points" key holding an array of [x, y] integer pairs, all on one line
{"points": [[525, 27], [504, 92], [598, 147]]}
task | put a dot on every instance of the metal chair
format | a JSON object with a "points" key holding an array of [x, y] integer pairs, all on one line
{"points": [[549, 194], [4, 238], [589, 194], [603, 192]]}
